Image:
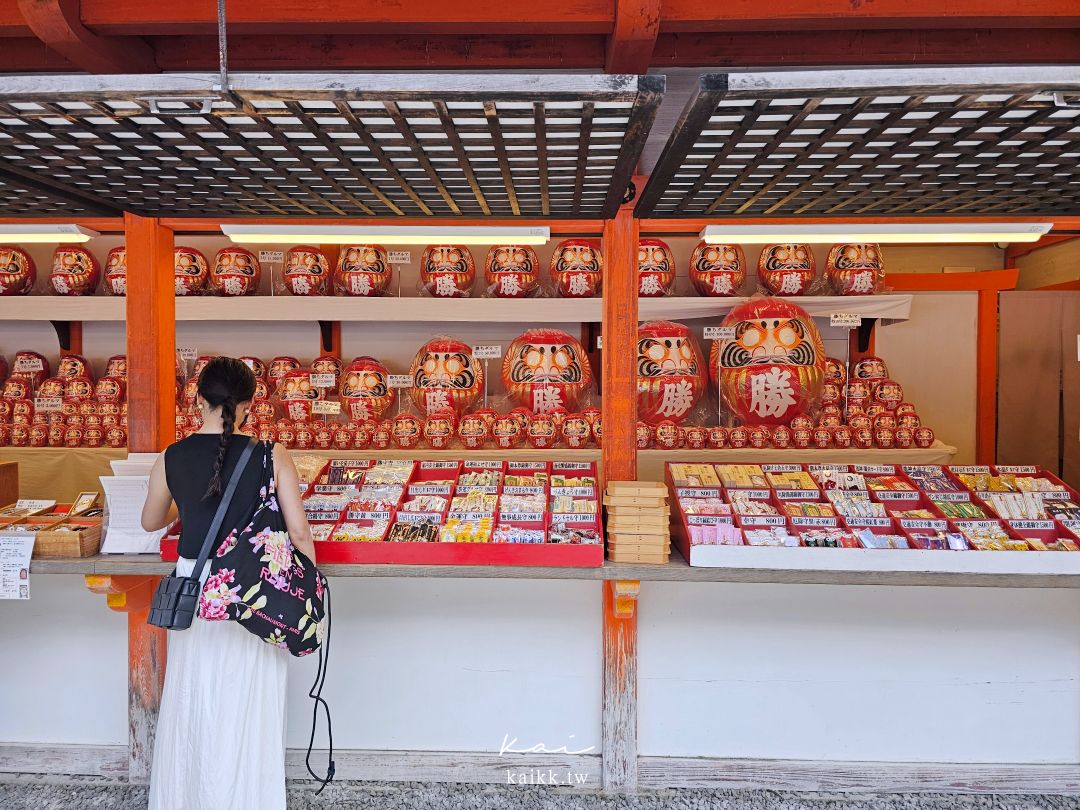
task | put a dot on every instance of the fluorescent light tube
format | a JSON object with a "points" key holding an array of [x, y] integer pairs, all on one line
{"points": [[45, 233], [882, 234], [385, 234]]}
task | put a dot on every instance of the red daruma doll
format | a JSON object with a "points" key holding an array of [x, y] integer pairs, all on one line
{"points": [[577, 269], [365, 390], [670, 372], [236, 272], [717, 270], [447, 271], [546, 369], [787, 269], [307, 271], [362, 270], [17, 271], [855, 269], [116, 271], [191, 271], [74, 271], [445, 375], [511, 271], [656, 268]]}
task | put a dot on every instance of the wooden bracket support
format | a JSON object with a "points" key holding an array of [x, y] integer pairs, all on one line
{"points": [[625, 596], [58, 24]]}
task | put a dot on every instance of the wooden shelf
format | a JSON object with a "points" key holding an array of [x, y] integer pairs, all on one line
{"points": [[887, 307], [63, 308], [490, 454], [939, 453], [817, 567]]}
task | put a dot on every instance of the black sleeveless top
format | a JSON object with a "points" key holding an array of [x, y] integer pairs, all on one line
{"points": [[188, 466]]}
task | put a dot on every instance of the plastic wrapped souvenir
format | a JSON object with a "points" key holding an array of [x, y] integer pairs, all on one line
{"points": [[644, 435], [278, 368], [507, 432], [407, 430], [74, 365], [511, 271], [78, 389], [718, 437], [257, 366], [51, 387], [236, 272], [670, 372], [75, 271], [655, 268], [855, 269], [542, 432], [575, 431], [835, 371], [327, 364], [473, 431], [362, 270], [30, 366], [666, 435], [447, 271], [17, 271], [439, 429], [787, 269], [445, 375], [116, 271], [577, 269], [869, 368], [110, 390], [774, 367], [307, 271], [116, 366], [888, 393], [717, 270], [546, 369], [365, 391], [296, 385], [191, 271]]}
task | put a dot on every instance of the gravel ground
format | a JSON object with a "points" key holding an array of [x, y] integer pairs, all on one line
{"points": [[71, 793]]}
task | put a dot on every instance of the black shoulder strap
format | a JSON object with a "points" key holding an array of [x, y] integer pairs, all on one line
{"points": [[223, 507]]}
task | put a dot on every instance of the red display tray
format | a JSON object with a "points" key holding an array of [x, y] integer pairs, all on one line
{"points": [[555, 555]]}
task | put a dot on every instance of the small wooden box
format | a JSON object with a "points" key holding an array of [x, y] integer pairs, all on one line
{"points": [[84, 542]]}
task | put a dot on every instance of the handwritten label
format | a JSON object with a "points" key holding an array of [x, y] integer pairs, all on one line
{"points": [[533, 466], [419, 517], [483, 465], [560, 466], [1072, 525], [1031, 525], [845, 320], [47, 404], [827, 522], [683, 492], [971, 469], [486, 490], [187, 353], [523, 490], [574, 492], [719, 332], [439, 465], [828, 467], [323, 380], [859, 522], [487, 352], [29, 364], [797, 494], [367, 515], [521, 517], [272, 256], [781, 468], [324, 406], [470, 517], [1026, 470], [400, 257], [896, 495], [875, 469], [953, 497], [752, 494], [34, 505], [920, 523], [322, 517], [333, 488], [761, 520], [399, 381], [708, 520], [429, 489]]}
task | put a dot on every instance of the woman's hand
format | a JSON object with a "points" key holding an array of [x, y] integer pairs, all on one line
{"points": [[292, 507], [159, 510]]}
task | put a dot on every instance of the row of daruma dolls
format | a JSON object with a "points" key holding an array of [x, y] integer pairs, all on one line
{"points": [[449, 271], [68, 409]]}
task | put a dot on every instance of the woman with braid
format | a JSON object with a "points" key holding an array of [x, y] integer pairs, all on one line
{"points": [[221, 731]]}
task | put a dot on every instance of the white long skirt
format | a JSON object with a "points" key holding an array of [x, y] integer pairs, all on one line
{"points": [[220, 739]]}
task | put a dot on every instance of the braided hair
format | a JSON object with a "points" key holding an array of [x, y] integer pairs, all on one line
{"points": [[225, 382]]}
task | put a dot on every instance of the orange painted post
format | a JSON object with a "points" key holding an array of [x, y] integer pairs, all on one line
{"points": [[151, 335], [986, 350], [619, 361]]}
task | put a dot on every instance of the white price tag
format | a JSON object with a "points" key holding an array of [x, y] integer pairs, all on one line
{"points": [[325, 406], [719, 332], [846, 320], [400, 257], [487, 352], [400, 381], [322, 380], [599, 341], [29, 364], [188, 353], [34, 505], [48, 404], [272, 256]]}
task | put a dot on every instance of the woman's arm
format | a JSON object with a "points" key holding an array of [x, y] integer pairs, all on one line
{"points": [[292, 508], [159, 510]]}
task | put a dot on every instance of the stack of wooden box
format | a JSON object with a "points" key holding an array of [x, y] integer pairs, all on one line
{"points": [[637, 522]]}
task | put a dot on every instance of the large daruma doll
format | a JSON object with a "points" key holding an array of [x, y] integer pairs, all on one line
{"points": [[655, 268], [191, 271], [855, 269], [447, 271], [546, 369], [75, 271], [787, 269], [670, 372], [362, 270], [577, 268], [445, 375], [17, 271], [307, 271], [365, 390], [774, 367], [116, 271], [717, 270], [236, 272], [511, 271]]}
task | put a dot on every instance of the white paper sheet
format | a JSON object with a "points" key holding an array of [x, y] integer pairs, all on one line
{"points": [[15, 551], [124, 499]]}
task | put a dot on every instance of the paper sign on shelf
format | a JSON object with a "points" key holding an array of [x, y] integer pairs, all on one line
{"points": [[124, 499], [400, 257], [599, 341], [487, 352], [399, 381], [271, 256], [845, 320], [324, 406], [719, 332], [322, 380], [187, 353], [15, 551], [34, 505], [28, 364], [48, 404]]}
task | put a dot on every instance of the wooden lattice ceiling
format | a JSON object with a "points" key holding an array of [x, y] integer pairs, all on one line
{"points": [[989, 141], [323, 145]]}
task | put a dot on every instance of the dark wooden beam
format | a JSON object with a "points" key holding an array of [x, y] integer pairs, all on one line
{"points": [[630, 46], [84, 199], [57, 23]]}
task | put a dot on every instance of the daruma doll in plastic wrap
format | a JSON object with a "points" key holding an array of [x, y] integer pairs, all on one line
{"points": [[546, 369], [511, 271], [577, 268], [445, 375], [787, 269], [447, 271], [656, 268], [296, 385], [307, 271], [74, 271], [236, 272], [717, 270], [362, 270], [670, 372], [191, 271], [774, 367], [116, 271], [17, 271], [855, 269], [365, 390]]}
